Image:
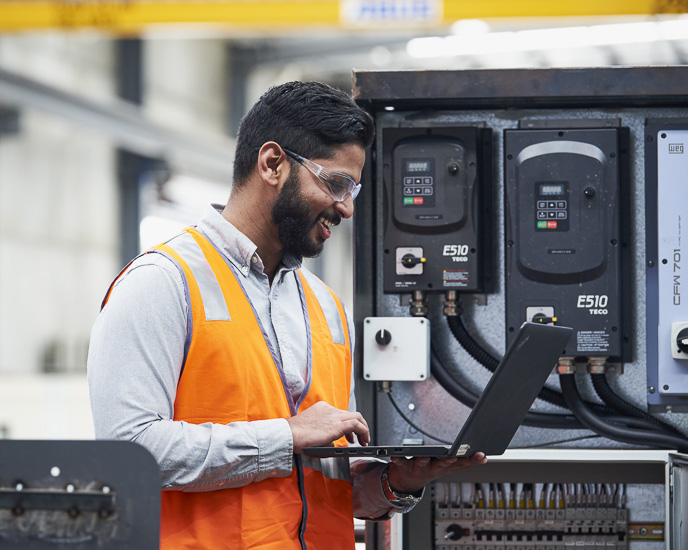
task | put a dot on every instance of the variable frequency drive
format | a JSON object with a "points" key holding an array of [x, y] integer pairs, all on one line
{"points": [[437, 186], [565, 205]]}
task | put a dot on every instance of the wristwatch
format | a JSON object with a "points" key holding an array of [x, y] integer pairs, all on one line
{"points": [[396, 498]]}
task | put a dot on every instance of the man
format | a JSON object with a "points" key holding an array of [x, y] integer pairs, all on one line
{"points": [[225, 357]]}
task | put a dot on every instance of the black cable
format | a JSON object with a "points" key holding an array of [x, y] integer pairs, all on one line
{"points": [[481, 355], [559, 441], [468, 398], [634, 422], [605, 392], [415, 426], [625, 435], [533, 419]]}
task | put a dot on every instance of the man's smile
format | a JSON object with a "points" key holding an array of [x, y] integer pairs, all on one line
{"points": [[327, 223]]}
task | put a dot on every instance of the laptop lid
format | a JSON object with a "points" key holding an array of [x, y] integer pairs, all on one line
{"points": [[512, 389], [503, 404]]}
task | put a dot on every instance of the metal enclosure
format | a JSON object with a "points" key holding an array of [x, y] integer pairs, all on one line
{"points": [[495, 114], [79, 495]]}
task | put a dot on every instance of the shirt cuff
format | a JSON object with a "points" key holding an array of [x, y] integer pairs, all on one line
{"points": [[275, 447]]}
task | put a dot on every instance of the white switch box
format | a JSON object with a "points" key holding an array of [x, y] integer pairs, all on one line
{"points": [[396, 348]]}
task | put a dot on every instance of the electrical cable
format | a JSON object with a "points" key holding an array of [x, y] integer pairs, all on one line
{"points": [[606, 393], [481, 355], [625, 435], [414, 426], [468, 398], [533, 419]]}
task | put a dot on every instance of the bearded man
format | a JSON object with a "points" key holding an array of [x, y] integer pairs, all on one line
{"points": [[224, 357]]}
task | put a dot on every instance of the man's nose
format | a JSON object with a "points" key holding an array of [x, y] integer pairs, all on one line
{"points": [[345, 208]]}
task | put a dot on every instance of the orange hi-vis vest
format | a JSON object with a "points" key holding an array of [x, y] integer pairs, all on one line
{"points": [[231, 374]]}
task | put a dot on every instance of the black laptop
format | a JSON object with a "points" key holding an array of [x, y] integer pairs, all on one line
{"points": [[506, 399]]}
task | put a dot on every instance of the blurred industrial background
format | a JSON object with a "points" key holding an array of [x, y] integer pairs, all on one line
{"points": [[116, 128]]}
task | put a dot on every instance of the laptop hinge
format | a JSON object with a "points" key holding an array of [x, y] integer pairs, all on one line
{"points": [[463, 449]]}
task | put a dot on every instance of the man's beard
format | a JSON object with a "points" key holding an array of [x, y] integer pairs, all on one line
{"points": [[294, 222]]}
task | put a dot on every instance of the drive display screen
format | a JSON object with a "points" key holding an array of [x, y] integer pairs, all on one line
{"points": [[417, 165], [551, 189]]}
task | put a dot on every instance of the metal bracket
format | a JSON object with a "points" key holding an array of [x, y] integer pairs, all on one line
{"points": [[19, 501]]}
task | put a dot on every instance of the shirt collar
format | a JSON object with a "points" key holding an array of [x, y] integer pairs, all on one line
{"points": [[238, 248]]}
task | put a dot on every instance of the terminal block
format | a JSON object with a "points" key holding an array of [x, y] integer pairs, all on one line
{"points": [[521, 516]]}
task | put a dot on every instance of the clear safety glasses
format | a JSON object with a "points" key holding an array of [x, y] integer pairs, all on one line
{"points": [[339, 185]]}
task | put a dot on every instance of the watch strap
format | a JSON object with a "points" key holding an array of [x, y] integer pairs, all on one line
{"points": [[397, 498]]}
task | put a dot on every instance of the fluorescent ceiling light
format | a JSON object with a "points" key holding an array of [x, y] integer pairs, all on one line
{"points": [[475, 41]]}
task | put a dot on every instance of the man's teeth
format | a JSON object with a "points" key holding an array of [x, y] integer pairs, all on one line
{"points": [[325, 222]]}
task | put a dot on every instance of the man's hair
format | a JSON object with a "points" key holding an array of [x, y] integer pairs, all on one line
{"points": [[309, 118]]}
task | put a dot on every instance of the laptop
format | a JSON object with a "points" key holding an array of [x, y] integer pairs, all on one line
{"points": [[502, 406]]}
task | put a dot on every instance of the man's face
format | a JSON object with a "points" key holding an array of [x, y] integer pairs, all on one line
{"points": [[304, 210], [294, 221]]}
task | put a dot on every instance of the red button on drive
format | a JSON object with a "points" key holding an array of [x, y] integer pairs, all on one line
{"points": [[551, 225], [419, 200]]}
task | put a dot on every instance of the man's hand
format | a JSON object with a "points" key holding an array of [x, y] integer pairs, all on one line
{"points": [[322, 424], [411, 475]]}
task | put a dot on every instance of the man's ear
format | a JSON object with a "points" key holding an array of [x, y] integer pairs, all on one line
{"points": [[273, 166]]}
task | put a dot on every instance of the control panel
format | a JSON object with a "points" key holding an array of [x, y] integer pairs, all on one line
{"points": [[666, 195], [437, 184], [419, 179], [565, 224], [551, 206]]}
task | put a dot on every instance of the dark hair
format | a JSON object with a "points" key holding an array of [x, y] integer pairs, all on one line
{"points": [[309, 118]]}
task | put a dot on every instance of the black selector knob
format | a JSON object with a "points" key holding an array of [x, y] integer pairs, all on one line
{"points": [[453, 168], [409, 260], [383, 337], [589, 192], [455, 532], [682, 340]]}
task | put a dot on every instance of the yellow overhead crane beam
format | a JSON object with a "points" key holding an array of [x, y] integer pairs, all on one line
{"points": [[133, 16]]}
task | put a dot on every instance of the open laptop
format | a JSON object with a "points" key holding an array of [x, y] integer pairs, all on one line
{"points": [[506, 399]]}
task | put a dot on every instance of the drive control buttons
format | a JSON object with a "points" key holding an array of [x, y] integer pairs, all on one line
{"points": [[417, 188], [550, 210]]}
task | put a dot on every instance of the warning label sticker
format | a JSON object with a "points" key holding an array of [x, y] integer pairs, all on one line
{"points": [[456, 278], [592, 340]]}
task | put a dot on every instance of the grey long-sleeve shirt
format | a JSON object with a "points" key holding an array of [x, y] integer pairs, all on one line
{"points": [[135, 360]]}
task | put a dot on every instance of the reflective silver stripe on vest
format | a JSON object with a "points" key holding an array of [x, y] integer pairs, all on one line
{"points": [[331, 468], [214, 303], [329, 307]]}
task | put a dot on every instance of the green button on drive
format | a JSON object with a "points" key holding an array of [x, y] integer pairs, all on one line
{"points": [[542, 225], [408, 200]]}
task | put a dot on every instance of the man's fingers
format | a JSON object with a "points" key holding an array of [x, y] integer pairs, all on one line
{"points": [[322, 424], [359, 427]]}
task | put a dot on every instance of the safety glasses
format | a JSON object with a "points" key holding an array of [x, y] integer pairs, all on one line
{"points": [[339, 185]]}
